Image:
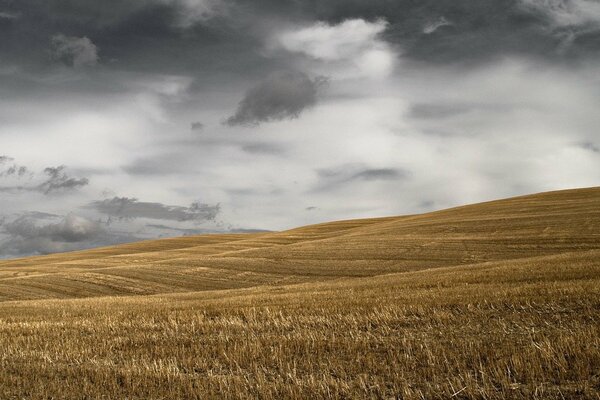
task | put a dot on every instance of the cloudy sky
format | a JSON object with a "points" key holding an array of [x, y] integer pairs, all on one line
{"points": [[126, 120]]}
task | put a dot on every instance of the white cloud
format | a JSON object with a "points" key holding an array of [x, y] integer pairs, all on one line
{"points": [[431, 27], [352, 48]]}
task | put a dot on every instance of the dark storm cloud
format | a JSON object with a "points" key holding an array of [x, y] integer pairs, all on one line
{"points": [[152, 36], [218, 41], [283, 95], [43, 233], [130, 208]]}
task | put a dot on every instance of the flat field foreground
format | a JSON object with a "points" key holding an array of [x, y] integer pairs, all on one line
{"points": [[499, 300]]}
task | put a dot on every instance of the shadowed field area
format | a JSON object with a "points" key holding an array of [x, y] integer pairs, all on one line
{"points": [[489, 301]]}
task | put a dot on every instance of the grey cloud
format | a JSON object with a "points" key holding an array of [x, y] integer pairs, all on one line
{"points": [[334, 177], [427, 204], [74, 51], [565, 13], [197, 126], [177, 37], [437, 110], [350, 173], [263, 148], [283, 95], [311, 208], [12, 170], [40, 215], [58, 181], [572, 22], [182, 231], [15, 170], [254, 191], [379, 174], [448, 109], [158, 165], [186, 231], [43, 233], [131, 208], [71, 229], [590, 146]]}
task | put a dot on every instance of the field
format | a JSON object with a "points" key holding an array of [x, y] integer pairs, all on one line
{"points": [[498, 300]]}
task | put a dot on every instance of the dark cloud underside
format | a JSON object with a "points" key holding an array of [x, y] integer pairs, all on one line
{"points": [[129, 208], [42, 233], [283, 95], [226, 39], [57, 180]]}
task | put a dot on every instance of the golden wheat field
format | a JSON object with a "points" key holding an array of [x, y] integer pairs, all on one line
{"points": [[498, 300]]}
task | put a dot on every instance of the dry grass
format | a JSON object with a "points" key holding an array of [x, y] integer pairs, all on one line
{"points": [[508, 308]]}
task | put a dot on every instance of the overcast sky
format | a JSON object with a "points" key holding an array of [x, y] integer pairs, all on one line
{"points": [[126, 120]]}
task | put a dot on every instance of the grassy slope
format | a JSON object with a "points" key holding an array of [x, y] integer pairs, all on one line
{"points": [[542, 224], [511, 310]]}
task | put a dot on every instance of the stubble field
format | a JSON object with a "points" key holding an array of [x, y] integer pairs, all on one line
{"points": [[490, 301]]}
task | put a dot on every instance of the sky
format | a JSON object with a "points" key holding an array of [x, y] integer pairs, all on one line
{"points": [[129, 120]]}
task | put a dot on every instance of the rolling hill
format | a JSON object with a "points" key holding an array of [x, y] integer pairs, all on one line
{"points": [[497, 300], [529, 226]]}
